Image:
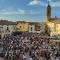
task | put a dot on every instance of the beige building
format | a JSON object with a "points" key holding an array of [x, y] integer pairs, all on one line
{"points": [[22, 26], [52, 23]]}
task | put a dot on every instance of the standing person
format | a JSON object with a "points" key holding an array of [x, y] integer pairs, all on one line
{"points": [[24, 57], [30, 58]]}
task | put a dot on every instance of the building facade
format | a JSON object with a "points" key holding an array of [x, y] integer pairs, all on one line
{"points": [[35, 27], [22, 26], [31, 27], [6, 28], [53, 23]]}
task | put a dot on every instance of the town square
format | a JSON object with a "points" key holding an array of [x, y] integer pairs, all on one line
{"points": [[29, 36]]}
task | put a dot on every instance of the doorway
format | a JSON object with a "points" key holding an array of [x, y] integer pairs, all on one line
{"points": [[0, 36]]}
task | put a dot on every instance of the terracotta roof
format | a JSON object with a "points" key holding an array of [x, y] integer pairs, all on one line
{"points": [[20, 22], [6, 22], [34, 23], [56, 20], [30, 23]]}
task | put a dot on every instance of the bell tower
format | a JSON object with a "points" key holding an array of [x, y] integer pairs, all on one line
{"points": [[48, 11]]}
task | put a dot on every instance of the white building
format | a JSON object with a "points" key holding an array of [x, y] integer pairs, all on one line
{"points": [[6, 28], [34, 27]]}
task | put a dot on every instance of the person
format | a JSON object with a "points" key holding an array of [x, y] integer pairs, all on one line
{"points": [[30, 58], [36, 49], [24, 57]]}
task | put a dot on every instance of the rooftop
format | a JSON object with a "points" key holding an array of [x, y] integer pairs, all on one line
{"points": [[6, 22]]}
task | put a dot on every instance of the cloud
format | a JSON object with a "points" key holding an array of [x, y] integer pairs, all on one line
{"points": [[18, 11], [41, 3], [34, 12], [49, 0], [9, 12], [36, 2], [55, 4]]}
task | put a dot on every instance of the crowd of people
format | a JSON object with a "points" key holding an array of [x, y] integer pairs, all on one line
{"points": [[29, 47]]}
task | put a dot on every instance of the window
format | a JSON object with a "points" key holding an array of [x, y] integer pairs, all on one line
{"points": [[37, 28], [1, 27], [20, 26], [6, 35], [14, 27], [31, 28], [0, 36], [7, 28], [0, 30]]}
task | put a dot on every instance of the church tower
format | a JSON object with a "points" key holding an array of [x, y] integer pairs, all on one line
{"points": [[48, 11]]}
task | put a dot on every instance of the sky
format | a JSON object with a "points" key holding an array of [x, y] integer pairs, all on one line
{"points": [[27, 10]]}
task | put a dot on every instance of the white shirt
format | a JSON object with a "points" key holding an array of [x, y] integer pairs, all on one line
{"points": [[30, 58]]}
